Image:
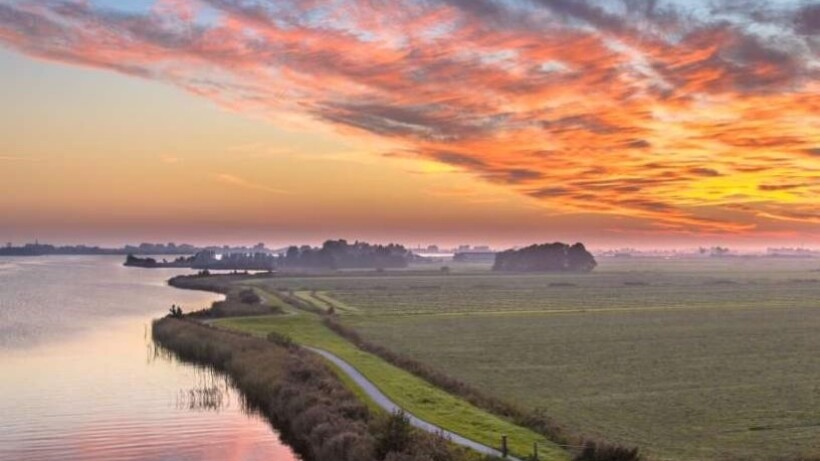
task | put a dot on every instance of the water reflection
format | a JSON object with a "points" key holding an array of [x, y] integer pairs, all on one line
{"points": [[100, 390]]}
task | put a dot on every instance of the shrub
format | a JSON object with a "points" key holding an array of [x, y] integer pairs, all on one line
{"points": [[249, 296], [599, 451], [395, 435], [281, 340]]}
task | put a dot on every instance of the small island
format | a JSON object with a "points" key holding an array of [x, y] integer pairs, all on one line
{"points": [[148, 262]]}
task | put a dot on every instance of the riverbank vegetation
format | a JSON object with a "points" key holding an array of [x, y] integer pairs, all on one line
{"points": [[316, 414]]}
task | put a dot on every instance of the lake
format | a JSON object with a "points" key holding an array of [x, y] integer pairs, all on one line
{"points": [[81, 379]]}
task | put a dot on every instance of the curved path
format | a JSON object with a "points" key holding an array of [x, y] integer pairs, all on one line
{"points": [[388, 405]]}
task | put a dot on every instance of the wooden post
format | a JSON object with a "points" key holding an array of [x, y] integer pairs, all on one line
{"points": [[503, 446], [535, 451]]}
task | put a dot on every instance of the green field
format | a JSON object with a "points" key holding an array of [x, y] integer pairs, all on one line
{"points": [[690, 359], [408, 391]]}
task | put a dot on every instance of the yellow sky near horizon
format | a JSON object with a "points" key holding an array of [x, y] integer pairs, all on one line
{"points": [[88, 156]]}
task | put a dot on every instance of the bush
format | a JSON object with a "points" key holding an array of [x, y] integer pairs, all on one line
{"points": [[395, 435], [599, 451], [249, 296], [281, 340]]}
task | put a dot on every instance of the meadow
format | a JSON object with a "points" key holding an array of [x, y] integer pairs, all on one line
{"points": [[692, 359]]}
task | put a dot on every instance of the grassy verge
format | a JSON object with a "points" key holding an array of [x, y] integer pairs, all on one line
{"points": [[533, 420], [408, 391]]}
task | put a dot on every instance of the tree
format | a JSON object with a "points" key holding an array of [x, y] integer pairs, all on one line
{"points": [[580, 260], [547, 257]]}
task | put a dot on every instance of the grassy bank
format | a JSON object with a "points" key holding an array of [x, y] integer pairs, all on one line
{"points": [[315, 412]]}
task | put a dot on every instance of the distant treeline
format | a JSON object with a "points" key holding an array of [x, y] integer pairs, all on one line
{"points": [[181, 261], [235, 261], [339, 254], [333, 254], [547, 257], [171, 248]]}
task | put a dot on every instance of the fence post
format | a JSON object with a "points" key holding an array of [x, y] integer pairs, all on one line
{"points": [[535, 451], [503, 446]]}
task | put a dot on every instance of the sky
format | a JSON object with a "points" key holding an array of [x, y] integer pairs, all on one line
{"points": [[612, 122]]}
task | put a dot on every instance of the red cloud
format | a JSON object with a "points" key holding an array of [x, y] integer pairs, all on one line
{"points": [[641, 113]]}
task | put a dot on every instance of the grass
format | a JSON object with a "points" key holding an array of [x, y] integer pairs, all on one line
{"points": [[682, 385], [689, 359], [408, 391]]}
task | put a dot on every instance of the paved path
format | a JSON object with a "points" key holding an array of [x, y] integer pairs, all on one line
{"points": [[384, 402]]}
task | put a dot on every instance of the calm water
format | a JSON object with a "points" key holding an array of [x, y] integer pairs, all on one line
{"points": [[80, 380]]}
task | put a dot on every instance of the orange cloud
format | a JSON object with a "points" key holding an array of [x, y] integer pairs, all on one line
{"points": [[687, 123]]}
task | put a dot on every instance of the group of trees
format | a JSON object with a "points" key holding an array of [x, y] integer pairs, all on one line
{"points": [[547, 257], [339, 254], [134, 261], [208, 259]]}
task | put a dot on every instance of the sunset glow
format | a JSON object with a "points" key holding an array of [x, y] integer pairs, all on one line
{"points": [[618, 122]]}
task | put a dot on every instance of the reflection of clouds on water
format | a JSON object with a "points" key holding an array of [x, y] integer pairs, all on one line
{"points": [[50, 298], [86, 382], [7, 266]]}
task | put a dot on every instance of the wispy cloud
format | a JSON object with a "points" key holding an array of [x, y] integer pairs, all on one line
{"points": [[628, 108], [239, 182], [13, 158]]}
